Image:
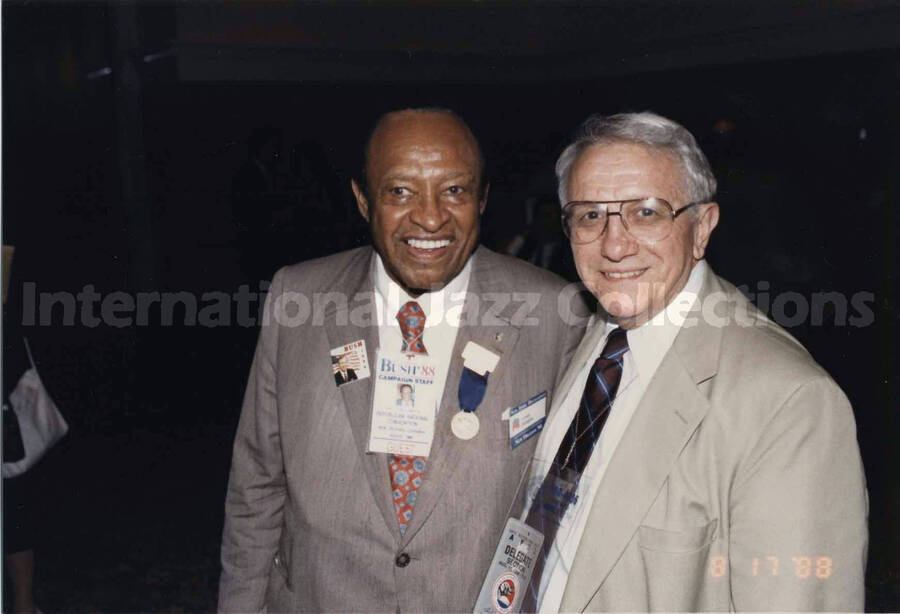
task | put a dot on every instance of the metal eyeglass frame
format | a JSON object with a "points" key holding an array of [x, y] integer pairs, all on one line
{"points": [[622, 203]]}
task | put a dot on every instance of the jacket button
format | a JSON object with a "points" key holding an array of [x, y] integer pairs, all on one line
{"points": [[402, 560]]}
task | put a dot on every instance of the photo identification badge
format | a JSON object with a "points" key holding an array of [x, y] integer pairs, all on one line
{"points": [[507, 579], [404, 404]]}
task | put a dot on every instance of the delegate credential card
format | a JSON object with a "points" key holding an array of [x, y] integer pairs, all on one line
{"points": [[510, 571]]}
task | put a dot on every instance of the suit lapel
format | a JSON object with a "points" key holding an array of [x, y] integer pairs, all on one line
{"points": [[346, 324], [592, 337], [661, 425], [663, 422], [498, 336]]}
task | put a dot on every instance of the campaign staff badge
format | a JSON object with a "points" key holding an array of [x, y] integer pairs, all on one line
{"points": [[404, 403], [349, 363]]}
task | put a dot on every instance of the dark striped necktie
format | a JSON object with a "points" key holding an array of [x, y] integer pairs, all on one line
{"points": [[574, 452], [599, 391]]}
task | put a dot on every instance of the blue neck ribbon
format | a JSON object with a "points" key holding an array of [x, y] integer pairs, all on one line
{"points": [[471, 389]]}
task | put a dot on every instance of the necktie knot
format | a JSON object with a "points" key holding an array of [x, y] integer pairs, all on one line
{"points": [[411, 318], [616, 345]]}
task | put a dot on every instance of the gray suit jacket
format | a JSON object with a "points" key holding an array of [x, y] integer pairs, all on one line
{"points": [[737, 484], [309, 520]]}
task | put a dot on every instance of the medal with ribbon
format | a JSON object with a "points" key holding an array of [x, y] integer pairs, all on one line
{"points": [[477, 365]]}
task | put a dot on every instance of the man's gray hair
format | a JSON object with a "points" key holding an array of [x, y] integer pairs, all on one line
{"points": [[650, 130]]}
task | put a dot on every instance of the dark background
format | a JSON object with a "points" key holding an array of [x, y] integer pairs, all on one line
{"points": [[125, 126]]}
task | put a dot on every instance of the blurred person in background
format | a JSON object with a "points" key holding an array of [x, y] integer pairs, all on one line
{"points": [[543, 243]]}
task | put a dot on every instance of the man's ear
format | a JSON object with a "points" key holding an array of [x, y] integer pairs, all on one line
{"points": [[362, 203], [703, 228], [484, 195]]}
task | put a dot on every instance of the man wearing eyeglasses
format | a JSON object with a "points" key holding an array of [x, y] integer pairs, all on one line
{"points": [[712, 464]]}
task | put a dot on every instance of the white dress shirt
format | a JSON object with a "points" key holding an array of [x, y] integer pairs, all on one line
{"points": [[647, 345], [442, 314]]}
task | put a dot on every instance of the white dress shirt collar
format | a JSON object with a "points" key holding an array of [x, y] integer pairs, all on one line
{"points": [[391, 296], [649, 342]]}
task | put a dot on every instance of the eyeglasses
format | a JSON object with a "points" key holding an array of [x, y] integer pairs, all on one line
{"points": [[646, 219]]}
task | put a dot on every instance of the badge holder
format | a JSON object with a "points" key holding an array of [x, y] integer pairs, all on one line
{"points": [[542, 512], [404, 403]]}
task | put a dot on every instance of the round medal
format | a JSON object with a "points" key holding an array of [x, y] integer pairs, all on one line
{"points": [[464, 425]]}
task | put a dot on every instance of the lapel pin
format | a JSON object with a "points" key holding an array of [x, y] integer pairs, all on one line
{"points": [[498, 337], [349, 362]]}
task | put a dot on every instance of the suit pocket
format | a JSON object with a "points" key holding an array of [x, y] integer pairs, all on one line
{"points": [[680, 540], [675, 562]]}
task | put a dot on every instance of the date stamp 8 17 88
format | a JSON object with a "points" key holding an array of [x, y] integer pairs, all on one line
{"points": [[802, 567]]}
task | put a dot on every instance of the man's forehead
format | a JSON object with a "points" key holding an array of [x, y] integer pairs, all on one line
{"points": [[623, 163], [626, 154], [420, 130], [413, 118]]}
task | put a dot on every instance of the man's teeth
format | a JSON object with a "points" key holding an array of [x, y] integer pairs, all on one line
{"points": [[420, 244], [624, 275]]}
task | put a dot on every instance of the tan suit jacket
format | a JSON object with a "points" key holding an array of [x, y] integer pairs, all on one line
{"points": [[738, 483], [309, 518]]}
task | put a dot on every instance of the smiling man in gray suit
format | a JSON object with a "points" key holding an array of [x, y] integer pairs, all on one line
{"points": [[716, 464], [315, 522]]}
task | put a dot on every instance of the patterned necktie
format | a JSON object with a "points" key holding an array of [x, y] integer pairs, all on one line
{"points": [[412, 326], [407, 472], [575, 450], [599, 392]]}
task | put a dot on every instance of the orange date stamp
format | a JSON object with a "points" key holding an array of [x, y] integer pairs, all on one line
{"points": [[801, 567]]}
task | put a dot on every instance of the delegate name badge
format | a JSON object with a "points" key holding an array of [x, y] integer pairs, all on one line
{"points": [[511, 568], [541, 516], [404, 404], [527, 419]]}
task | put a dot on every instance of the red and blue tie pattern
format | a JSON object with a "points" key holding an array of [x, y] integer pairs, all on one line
{"points": [[407, 472], [412, 326]]}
